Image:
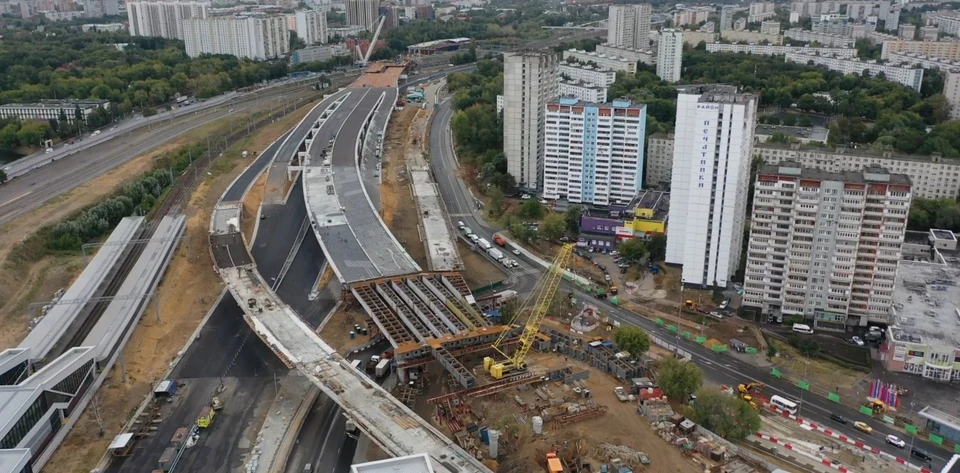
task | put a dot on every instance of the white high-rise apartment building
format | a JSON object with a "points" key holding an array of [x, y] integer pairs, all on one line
{"points": [[711, 175], [951, 90], [593, 153], [256, 38], [826, 245], [670, 54], [312, 26], [529, 83], [363, 13], [163, 19], [628, 26]]}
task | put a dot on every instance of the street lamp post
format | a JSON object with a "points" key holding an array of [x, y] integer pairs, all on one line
{"points": [[806, 366]]}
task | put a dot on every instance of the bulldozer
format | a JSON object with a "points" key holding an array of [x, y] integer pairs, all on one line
{"points": [[689, 304], [878, 407]]}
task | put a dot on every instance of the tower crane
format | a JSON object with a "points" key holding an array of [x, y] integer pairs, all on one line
{"points": [[543, 294], [365, 58]]}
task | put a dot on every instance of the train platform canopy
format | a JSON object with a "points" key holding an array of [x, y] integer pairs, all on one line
{"points": [[15, 459], [409, 464]]}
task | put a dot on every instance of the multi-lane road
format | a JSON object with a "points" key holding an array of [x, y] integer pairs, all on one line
{"points": [[115, 147], [718, 368]]}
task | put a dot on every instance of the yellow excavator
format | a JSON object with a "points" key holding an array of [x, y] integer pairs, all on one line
{"points": [[747, 392], [543, 294]]}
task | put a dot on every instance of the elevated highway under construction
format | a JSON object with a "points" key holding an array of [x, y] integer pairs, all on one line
{"points": [[426, 316]]}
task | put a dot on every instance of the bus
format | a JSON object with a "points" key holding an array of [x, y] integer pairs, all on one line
{"points": [[784, 404]]}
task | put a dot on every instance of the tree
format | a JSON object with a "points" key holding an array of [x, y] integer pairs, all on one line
{"points": [[531, 209], [657, 246], [727, 416], [553, 227], [572, 216], [789, 120], [717, 293], [496, 200], [805, 122], [679, 378], [779, 137], [632, 339], [633, 249]]}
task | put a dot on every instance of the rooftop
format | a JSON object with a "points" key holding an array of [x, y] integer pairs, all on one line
{"points": [[15, 459], [871, 173], [409, 464], [925, 299], [583, 84], [618, 104], [936, 415], [814, 134], [58, 104], [712, 92], [585, 67], [858, 152]]}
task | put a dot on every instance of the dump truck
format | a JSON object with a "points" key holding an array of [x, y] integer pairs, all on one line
{"points": [[206, 417], [553, 463], [499, 239]]}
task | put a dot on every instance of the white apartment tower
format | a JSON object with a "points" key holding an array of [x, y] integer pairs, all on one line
{"points": [[529, 83], [312, 26], [593, 153], [711, 175], [363, 13], [256, 38], [163, 19], [826, 245], [628, 26], [670, 54]]}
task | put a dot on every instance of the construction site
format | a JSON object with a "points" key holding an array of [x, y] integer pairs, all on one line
{"points": [[543, 394]]}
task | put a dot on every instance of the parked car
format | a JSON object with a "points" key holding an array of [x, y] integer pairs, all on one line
{"points": [[857, 341], [460, 224], [863, 427], [716, 315], [896, 441], [524, 196], [725, 303]]}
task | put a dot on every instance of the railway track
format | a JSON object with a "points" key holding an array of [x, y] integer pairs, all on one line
{"points": [[171, 204]]}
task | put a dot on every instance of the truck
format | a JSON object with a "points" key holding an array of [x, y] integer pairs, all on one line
{"points": [[206, 417], [383, 368], [484, 244], [499, 239], [495, 254], [371, 367]]}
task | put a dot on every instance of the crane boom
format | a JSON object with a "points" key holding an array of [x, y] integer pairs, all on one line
{"points": [[550, 283], [373, 42]]}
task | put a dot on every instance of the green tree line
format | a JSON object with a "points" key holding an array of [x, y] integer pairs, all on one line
{"points": [[477, 129], [145, 73]]}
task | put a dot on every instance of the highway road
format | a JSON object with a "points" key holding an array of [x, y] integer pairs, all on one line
{"points": [[32, 190], [718, 368]]}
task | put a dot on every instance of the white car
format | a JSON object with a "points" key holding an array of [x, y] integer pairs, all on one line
{"points": [[516, 251], [460, 224], [473, 237], [525, 196], [514, 264], [857, 341], [896, 441]]}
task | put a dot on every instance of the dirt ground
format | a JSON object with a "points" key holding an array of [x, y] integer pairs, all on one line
{"points": [[822, 375], [481, 271], [396, 197], [621, 425], [251, 205], [337, 330], [185, 295]]}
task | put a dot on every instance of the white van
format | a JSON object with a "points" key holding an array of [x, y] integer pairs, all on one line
{"points": [[802, 328]]}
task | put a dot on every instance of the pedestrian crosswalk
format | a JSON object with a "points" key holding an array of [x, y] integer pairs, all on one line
{"points": [[522, 271]]}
